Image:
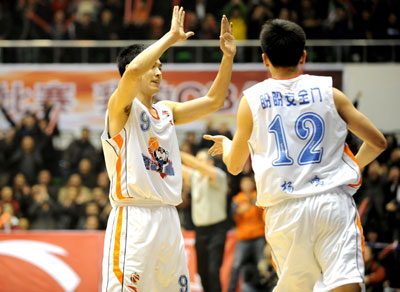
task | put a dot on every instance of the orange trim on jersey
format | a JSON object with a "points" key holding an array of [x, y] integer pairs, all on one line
{"points": [[120, 141], [158, 116], [351, 155], [117, 245], [362, 237], [286, 78], [272, 258]]}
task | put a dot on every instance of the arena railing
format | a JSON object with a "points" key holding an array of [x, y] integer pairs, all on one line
{"points": [[196, 51]]}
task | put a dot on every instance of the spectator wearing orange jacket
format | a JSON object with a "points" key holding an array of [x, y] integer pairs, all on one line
{"points": [[249, 229]]}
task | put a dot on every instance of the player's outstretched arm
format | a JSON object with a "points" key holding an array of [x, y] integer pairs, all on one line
{"points": [[235, 152], [374, 143], [191, 161], [128, 86], [214, 99]]}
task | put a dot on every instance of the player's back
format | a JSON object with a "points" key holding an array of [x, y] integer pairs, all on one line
{"points": [[298, 139]]}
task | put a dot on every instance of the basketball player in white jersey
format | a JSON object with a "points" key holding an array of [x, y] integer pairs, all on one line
{"points": [[294, 126], [144, 248]]}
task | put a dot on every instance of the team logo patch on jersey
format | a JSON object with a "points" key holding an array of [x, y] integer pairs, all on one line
{"points": [[134, 277], [158, 160]]}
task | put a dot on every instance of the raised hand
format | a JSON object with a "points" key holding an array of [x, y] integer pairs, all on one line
{"points": [[226, 38], [178, 17]]}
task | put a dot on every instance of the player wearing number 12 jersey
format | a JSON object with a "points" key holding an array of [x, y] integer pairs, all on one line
{"points": [[294, 127]]}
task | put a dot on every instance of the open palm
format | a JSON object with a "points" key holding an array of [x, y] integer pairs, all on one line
{"points": [[227, 40], [178, 17]]}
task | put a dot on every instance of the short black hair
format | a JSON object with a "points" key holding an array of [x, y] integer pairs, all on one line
{"points": [[283, 42], [126, 56]]}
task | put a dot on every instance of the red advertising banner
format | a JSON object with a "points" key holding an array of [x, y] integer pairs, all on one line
{"points": [[81, 92], [53, 261]]}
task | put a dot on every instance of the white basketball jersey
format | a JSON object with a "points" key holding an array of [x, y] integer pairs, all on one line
{"points": [[298, 140], [143, 161]]}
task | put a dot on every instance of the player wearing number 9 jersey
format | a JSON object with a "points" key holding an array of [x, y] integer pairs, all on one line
{"points": [[143, 247], [294, 127]]}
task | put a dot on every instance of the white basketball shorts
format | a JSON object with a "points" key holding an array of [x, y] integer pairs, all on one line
{"points": [[144, 251], [316, 242]]}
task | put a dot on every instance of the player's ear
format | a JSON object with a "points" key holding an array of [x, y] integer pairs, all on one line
{"points": [[303, 57], [265, 60]]}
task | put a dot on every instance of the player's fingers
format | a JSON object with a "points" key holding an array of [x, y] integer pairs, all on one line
{"points": [[211, 151], [208, 137], [189, 34], [181, 12], [175, 11]]}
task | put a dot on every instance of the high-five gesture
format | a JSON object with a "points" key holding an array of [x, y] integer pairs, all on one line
{"points": [[178, 17], [227, 40]]}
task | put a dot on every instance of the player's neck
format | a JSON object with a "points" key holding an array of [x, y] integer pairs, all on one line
{"points": [[146, 101], [284, 72]]}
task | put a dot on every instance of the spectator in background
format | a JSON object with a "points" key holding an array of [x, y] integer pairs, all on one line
{"points": [[393, 26], [75, 181], [209, 186], [57, 5], [6, 151], [7, 198], [364, 25], [92, 223], [78, 149], [108, 29], [185, 208], [259, 14], [60, 26], [394, 156], [86, 28], [117, 9], [103, 181], [392, 144], [5, 23], [22, 192], [136, 19], [23, 224], [192, 23], [27, 126], [89, 209], [392, 200], [40, 15], [44, 178], [374, 272], [101, 198], [191, 141], [69, 209], [309, 19], [249, 229], [238, 19], [372, 190], [27, 160], [88, 176], [340, 23], [8, 221], [43, 211], [209, 28]]}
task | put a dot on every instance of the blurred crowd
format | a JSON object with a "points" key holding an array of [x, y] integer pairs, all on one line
{"points": [[149, 19]]}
